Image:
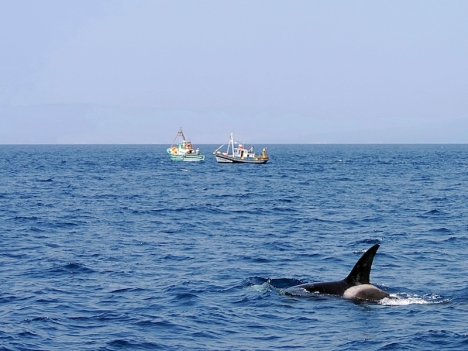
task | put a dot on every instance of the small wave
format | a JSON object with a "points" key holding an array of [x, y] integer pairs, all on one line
{"points": [[434, 212], [455, 238], [76, 266], [373, 220], [366, 242], [438, 199], [185, 296], [124, 290], [41, 319], [393, 300], [121, 343], [255, 280], [172, 257], [72, 268], [66, 224], [405, 300], [369, 241], [440, 230], [262, 288], [156, 323], [344, 179], [108, 316], [283, 209], [322, 220], [257, 259], [26, 334], [282, 283], [263, 285], [52, 245], [25, 218], [185, 299], [259, 284]]}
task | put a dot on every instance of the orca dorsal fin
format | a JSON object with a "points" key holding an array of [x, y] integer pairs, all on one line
{"points": [[360, 274]]}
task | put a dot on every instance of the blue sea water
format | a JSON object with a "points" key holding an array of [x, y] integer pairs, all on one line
{"points": [[118, 248]]}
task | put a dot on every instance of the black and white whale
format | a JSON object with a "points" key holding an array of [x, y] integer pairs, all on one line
{"points": [[355, 286]]}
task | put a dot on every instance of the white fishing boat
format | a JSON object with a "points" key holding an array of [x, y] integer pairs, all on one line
{"points": [[239, 153], [183, 150]]}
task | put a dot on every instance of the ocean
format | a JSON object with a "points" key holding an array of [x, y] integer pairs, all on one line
{"points": [[115, 247]]}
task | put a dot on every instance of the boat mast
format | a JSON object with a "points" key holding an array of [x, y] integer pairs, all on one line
{"points": [[179, 133], [231, 143]]}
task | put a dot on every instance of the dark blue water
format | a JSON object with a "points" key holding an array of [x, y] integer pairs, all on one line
{"points": [[118, 248]]}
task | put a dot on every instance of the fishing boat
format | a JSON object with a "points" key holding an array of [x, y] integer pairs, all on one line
{"points": [[239, 153], [182, 150]]}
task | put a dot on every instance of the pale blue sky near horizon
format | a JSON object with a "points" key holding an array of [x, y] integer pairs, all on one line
{"points": [[270, 71]]}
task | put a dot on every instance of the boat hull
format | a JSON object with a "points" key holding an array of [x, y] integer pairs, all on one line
{"points": [[220, 158], [187, 158]]}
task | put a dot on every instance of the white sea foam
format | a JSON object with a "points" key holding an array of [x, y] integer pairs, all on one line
{"points": [[262, 288], [396, 300]]}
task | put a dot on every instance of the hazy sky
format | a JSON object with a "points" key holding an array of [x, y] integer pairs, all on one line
{"points": [[269, 71]]}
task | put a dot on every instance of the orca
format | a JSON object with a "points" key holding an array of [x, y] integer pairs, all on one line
{"points": [[355, 286]]}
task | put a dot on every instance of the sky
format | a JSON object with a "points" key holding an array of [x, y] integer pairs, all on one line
{"points": [[269, 71]]}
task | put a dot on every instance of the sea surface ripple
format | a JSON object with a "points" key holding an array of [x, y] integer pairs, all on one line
{"points": [[115, 247]]}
